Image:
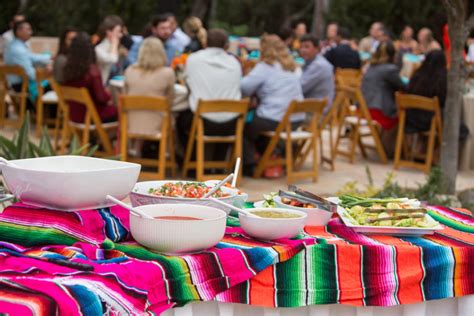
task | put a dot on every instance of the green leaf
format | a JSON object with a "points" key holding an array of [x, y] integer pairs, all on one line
{"points": [[39, 152], [22, 140], [45, 143], [74, 144], [8, 148], [92, 150]]}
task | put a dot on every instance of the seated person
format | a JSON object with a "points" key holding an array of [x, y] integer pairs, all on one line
{"points": [[317, 80], [426, 41], [178, 38], [18, 53], [275, 82], [197, 33], [8, 36], [149, 77], [379, 85], [430, 80], [81, 71], [210, 74], [107, 51], [342, 55], [60, 60]]}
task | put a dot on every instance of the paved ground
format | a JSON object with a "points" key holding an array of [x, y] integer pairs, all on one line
{"points": [[330, 182]]}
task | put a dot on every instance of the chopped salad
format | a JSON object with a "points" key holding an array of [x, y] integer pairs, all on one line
{"points": [[186, 190]]}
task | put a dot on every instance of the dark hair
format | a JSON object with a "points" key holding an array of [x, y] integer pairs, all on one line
{"points": [[80, 57], [344, 32], [295, 23], [385, 54], [62, 50], [17, 26], [108, 24], [285, 33], [217, 38], [430, 79], [310, 38], [160, 18]]}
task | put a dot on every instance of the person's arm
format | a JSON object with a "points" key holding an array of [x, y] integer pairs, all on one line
{"points": [[22, 58], [310, 78], [100, 96], [330, 56], [393, 78], [170, 89], [106, 56], [254, 80]]}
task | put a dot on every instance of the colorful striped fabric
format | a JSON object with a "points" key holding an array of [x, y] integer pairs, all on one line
{"points": [[326, 265], [127, 278], [350, 268]]}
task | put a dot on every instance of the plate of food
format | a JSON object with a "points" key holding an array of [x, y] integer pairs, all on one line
{"points": [[190, 192], [389, 216]]}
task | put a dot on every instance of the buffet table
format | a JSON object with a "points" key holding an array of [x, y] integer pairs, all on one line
{"points": [[325, 265]]}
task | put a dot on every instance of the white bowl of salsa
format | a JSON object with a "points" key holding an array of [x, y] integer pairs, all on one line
{"points": [[170, 191], [178, 228]]}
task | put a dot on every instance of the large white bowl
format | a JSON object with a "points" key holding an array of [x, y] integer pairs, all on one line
{"points": [[140, 196], [69, 183], [178, 236], [316, 216], [272, 228]]}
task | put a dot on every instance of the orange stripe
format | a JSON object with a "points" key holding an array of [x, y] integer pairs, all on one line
{"points": [[390, 240], [457, 234], [262, 288], [320, 232], [350, 283], [410, 274], [458, 289]]}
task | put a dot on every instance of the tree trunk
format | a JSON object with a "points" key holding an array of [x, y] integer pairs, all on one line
{"points": [[456, 11], [200, 8]]}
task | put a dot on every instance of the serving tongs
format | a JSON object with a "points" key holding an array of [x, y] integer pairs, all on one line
{"points": [[388, 218], [396, 210], [322, 201], [304, 199]]}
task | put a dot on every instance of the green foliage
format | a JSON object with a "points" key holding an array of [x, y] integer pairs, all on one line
{"points": [[21, 147], [429, 191]]}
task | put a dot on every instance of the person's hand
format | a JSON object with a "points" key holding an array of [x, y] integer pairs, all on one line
{"points": [[114, 40]]}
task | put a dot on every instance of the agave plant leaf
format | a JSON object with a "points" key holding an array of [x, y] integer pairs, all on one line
{"points": [[78, 151], [45, 143], [73, 146], [92, 150], [31, 151], [7, 148], [38, 151], [22, 140]]}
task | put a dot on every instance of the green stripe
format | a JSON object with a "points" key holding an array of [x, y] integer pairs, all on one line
{"points": [[290, 282], [322, 274], [34, 236], [451, 222]]}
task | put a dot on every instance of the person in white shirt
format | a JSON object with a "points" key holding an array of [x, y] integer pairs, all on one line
{"points": [[210, 74], [107, 51]]}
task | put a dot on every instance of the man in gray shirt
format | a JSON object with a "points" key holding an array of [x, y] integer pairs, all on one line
{"points": [[317, 79]]}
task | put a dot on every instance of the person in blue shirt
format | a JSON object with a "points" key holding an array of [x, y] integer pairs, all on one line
{"points": [[178, 38], [18, 53], [160, 28]]}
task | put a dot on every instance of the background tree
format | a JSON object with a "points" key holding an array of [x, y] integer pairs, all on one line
{"points": [[459, 27]]}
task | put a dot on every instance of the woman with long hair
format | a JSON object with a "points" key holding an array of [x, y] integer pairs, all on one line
{"points": [[107, 51], [149, 76], [81, 71], [60, 60], [275, 82], [193, 27], [430, 80]]}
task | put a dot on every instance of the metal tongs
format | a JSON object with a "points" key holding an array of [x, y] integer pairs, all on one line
{"points": [[308, 197]]}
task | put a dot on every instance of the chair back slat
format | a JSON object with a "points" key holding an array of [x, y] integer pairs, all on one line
{"points": [[411, 101], [230, 106], [13, 70], [348, 77], [144, 103]]}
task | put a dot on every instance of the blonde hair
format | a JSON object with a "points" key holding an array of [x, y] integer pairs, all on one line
{"points": [[273, 49], [151, 54], [193, 27]]}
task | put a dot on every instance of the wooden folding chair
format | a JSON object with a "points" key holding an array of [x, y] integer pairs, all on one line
{"points": [[50, 98], [129, 104], [18, 99], [360, 126], [406, 102], [92, 121], [346, 78], [197, 136], [306, 140]]}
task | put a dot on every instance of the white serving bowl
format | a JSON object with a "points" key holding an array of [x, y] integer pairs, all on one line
{"points": [[178, 236], [272, 228], [69, 183], [316, 216], [140, 196]]}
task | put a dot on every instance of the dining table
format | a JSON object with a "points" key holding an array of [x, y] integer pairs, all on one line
{"points": [[87, 263]]}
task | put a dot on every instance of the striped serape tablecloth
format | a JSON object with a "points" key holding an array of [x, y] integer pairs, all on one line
{"points": [[127, 279], [341, 267], [345, 267]]}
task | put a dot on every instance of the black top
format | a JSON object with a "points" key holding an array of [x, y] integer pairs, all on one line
{"points": [[193, 46], [343, 56]]}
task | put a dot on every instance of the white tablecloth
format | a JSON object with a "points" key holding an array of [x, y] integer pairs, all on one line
{"points": [[467, 152], [462, 306]]}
